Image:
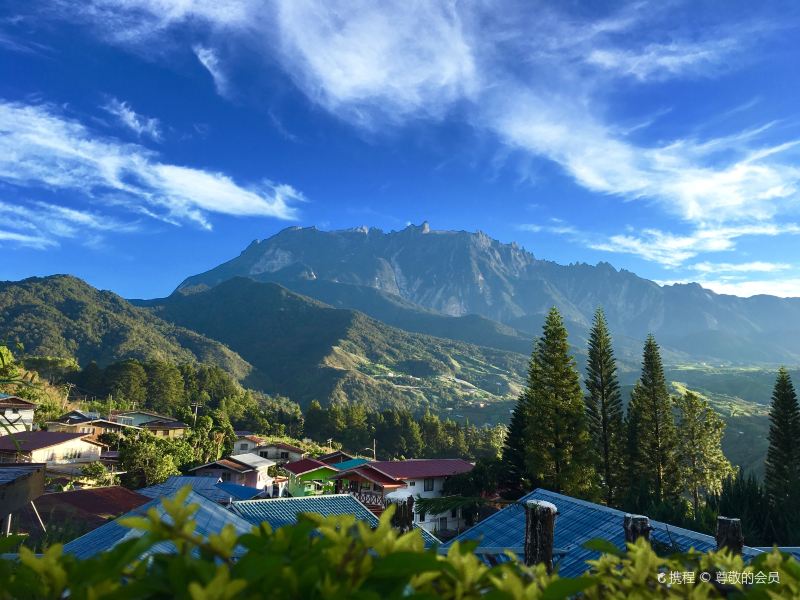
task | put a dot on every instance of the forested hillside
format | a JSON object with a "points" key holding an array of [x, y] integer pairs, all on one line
{"points": [[65, 317]]}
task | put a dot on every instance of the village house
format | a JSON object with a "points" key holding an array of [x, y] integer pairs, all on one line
{"points": [[372, 482], [335, 457], [16, 414], [51, 447], [248, 443], [247, 469], [308, 477], [159, 425], [89, 423], [280, 452]]}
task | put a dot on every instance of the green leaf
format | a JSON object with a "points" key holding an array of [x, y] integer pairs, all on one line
{"points": [[405, 564], [566, 588]]}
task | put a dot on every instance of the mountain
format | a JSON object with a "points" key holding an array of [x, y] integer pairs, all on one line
{"points": [[66, 317], [308, 350], [458, 273]]}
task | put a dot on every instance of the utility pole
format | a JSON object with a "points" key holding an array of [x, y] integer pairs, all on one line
{"points": [[194, 405]]}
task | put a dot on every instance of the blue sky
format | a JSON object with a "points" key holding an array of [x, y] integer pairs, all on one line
{"points": [[142, 141]]}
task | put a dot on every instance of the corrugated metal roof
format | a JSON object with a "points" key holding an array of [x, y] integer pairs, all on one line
{"points": [[238, 492], [306, 465], [205, 486], [10, 472], [279, 512], [422, 467], [209, 518], [252, 460], [350, 464], [27, 441], [577, 522]]}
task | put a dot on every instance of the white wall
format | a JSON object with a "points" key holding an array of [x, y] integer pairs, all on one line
{"points": [[72, 451], [16, 419]]}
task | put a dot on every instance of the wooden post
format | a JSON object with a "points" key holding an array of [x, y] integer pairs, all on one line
{"points": [[636, 526], [8, 525], [540, 521], [729, 534]]}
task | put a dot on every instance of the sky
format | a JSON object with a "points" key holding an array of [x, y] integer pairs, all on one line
{"points": [[143, 141]]}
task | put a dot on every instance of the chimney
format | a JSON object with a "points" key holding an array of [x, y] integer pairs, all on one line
{"points": [[540, 521], [403, 517], [729, 535], [636, 526]]}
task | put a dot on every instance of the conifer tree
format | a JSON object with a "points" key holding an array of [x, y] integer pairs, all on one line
{"points": [[702, 462], [557, 444], [513, 475], [652, 437], [782, 476], [604, 409]]}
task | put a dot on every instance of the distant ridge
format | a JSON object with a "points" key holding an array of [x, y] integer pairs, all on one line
{"points": [[408, 277]]}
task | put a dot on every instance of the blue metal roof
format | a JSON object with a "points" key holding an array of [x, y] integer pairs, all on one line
{"points": [[577, 522], [350, 464], [284, 511], [238, 492], [205, 486], [209, 518]]}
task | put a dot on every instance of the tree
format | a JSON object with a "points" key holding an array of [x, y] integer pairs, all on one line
{"points": [[127, 380], [556, 437], [652, 439], [782, 467], [604, 409], [144, 461], [743, 497], [513, 476], [699, 452], [164, 386]]}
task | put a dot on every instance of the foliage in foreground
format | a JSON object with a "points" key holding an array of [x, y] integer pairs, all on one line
{"points": [[340, 557]]}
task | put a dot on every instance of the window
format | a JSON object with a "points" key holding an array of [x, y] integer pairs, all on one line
{"points": [[412, 483], [421, 517], [264, 454], [454, 513], [226, 476], [428, 485], [284, 455], [243, 446], [442, 523]]}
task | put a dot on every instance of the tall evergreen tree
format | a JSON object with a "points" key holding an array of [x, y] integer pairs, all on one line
{"points": [[604, 409], [513, 474], [782, 477], [652, 436], [702, 462], [557, 444]]}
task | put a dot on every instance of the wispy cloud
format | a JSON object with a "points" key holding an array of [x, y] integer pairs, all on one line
{"points": [[748, 267], [141, 125], [784, 288], [210, 60], [40, 148]]}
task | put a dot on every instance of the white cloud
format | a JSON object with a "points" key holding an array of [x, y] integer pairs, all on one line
{"points": [[748, 267], [212, 63], [673, 250], [40, 148], [139, 124], [30, 241], [784, 288]]}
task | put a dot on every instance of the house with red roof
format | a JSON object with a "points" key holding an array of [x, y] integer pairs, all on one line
{"points": [[375, 482], [51, 447]]}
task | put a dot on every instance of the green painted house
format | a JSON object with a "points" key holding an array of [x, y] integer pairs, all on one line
{"points": [[308, 477]]}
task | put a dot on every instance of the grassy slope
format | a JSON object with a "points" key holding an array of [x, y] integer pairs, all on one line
{"points": [[309, 350]]}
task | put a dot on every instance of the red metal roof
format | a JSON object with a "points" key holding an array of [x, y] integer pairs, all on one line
{"points": [[422, 467], [305, 465], [334, 457], [27, 441], [370, 474], [225, 463]]}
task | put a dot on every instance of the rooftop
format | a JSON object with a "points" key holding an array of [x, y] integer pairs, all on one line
{"points": [[284, 446], [306, 465], [28, 441], [209, 518], [350, 464], [422, 468], [205, 486], [335, 457], [279, 512], [252, 460], [367, 472], [8, 401], [577, 522]]}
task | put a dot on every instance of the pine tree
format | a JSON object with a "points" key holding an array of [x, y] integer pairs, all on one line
{"points": [[782, 477], [557, 444], [512, 477], [653, 437], [702, 462], [604, 409]]}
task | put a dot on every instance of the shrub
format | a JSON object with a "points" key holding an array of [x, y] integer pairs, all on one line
{"points": [[340, 557]]}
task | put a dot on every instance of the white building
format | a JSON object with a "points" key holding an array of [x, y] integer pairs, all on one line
{"points": [[51, 447], [16, 414]]}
